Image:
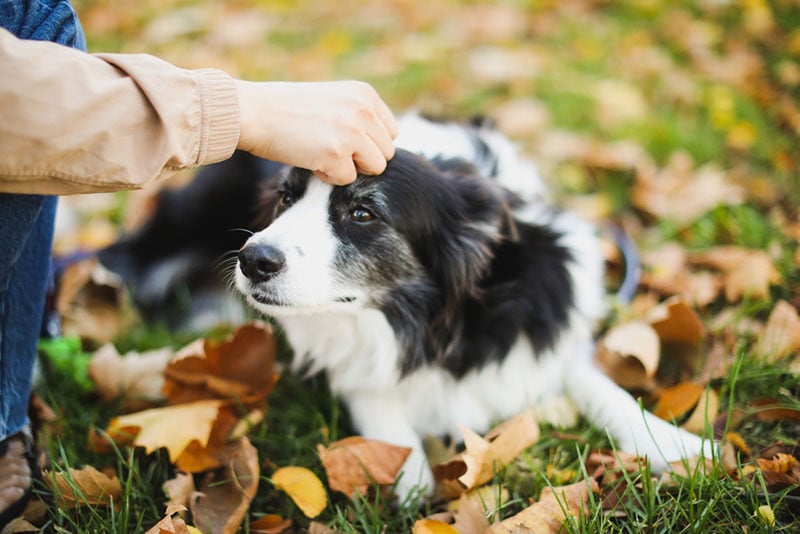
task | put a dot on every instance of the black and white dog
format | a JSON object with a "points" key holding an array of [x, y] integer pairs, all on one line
{"points": [[445, 291]]}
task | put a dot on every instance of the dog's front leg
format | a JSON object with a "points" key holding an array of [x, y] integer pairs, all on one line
{"points": [[383, 417], [633, 429]]}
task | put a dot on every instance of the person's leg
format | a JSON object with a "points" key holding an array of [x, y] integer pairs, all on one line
{"points": [[26, 232]]}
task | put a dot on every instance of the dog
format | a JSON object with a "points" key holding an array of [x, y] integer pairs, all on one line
{"points": [[446, 291]]}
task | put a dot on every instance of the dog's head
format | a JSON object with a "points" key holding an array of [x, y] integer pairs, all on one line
{"points": [[419, 228]]}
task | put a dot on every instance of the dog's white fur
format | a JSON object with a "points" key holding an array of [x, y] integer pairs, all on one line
{"points": [[358, 349]]}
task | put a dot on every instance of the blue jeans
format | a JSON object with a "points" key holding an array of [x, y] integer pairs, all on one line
{"points": [[26, 232]]}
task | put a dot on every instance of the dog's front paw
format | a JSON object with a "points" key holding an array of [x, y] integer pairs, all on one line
{"points": [[416, 479], [663, 444]]}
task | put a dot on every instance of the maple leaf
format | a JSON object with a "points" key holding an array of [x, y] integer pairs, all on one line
{"points": [[173, 427], [303, 487], [242, 367], [550, 511], [224, 497], [86, 486], [353, 464]]}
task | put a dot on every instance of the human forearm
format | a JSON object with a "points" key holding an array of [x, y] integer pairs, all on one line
{"points": [[73, 122]]}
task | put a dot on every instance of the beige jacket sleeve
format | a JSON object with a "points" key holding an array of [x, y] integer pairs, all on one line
{"points": [[72, 122]]}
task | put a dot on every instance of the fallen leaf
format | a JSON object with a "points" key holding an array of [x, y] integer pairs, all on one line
{"points": [[610, 466], [779, 472], [747, 272], [270, 524], [86, 486], [92, 302], [676, 321], [432, 526], [676, 401], [224, 497], [173, 427], [303, 487], [354, 464], [704, 413], [781, 336], [681, 192], [136, 378], [772, 410], [629, 353], [178, 489], [242, 367], [548, 514], [484, 455], [170, 524], [472, 507]]}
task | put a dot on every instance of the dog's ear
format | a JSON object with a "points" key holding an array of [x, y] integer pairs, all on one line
{"points": [[473, 219]]}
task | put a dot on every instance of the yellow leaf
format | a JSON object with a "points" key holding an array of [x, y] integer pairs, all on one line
{"points": [[432, 526], [303, 487], [173, 427]]}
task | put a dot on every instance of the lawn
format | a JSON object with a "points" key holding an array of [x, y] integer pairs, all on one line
{"points": [[676, 121]]}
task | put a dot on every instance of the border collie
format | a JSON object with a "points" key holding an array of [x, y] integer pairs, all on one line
{"points": [[445, 291]]}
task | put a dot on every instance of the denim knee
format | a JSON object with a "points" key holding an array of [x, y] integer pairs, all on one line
{"points": [[43, 20]]}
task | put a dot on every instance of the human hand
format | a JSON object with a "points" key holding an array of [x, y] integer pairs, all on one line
{"points": [[335, 129]]}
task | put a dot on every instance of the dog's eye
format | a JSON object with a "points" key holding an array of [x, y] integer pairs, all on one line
{"points": [[285, 199], [361, 215]]}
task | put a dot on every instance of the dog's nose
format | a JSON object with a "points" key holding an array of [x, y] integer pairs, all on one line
{"points": [[261, 262]]}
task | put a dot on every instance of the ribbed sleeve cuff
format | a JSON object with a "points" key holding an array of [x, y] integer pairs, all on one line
{"points": [[219, 102]]}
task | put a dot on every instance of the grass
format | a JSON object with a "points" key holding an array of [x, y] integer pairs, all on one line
{"points": [[689, 107]]}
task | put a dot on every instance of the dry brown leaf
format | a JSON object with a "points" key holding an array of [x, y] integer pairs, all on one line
{"points": [[93, 303], [354, 464], [178, 489], [136, 378], [704, 413], [173, 427], [549, 513], [483, 455], [472, 507], [611, 466], [224, 497], [18, 526], [303, 487], [781, 336], [772, 410], [86, 486], [242, 367], [629, 353], [747, 272], [170, 524], [779, 472], [682, 193], [676, 401], [675, 321], [270, 524], [433, 526]]}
